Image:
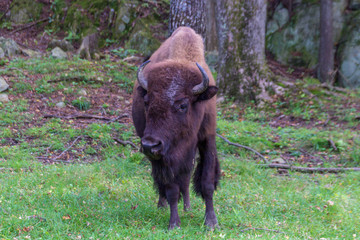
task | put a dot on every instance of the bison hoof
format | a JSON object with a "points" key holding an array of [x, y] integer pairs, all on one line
{"points": [[187, 208], [211, 221]]}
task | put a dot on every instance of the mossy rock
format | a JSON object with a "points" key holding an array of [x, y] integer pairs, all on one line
{"points": [[349, 53], [24, 11], [297, 42], [125, 16], [142, 37]]}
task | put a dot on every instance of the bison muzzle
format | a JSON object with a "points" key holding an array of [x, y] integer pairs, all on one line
{"points": [[174, 113]]}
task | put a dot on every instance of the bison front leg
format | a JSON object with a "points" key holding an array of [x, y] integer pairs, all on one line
{"points": [[206, 178], [172, 195], [184, 189]]}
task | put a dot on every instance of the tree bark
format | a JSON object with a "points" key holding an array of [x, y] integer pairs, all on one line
{"points": [[241, 44], [187, 13], [210, 26], [326, 52]]}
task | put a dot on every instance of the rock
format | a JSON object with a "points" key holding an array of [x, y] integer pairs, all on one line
{"points": [[82, 92], [279, 19], [278, 160], [63, 44], [125, 16], [60, 105], [24, 10], [2, 53], [142, 37], [350, 60], [3, 84], [4, 97], [30, 53], [133, 59], [354, 4], [297, 43], [9, 46], [58, 53]]}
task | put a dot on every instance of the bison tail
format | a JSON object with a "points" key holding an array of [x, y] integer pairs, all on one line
{"points": [[197, 183]]}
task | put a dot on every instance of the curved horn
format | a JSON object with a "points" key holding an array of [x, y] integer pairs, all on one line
{"points": [[140, 75], [200, 88]]}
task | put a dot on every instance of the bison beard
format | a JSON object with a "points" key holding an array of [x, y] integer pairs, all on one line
{"points": [[174, 114]]}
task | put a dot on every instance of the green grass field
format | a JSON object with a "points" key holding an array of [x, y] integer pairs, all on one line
{"points": [[69, 179]]}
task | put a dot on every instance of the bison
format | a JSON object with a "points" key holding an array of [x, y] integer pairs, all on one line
{"points": [[174, 113]]}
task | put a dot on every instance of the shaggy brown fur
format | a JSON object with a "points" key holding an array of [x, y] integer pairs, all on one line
{"points": [[173, 123]]}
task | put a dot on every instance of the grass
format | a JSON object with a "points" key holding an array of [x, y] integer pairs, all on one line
{"points": [[68, 179], [114, 199]]}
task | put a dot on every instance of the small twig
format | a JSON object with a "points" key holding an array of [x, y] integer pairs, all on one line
{"points": [[86, 116], [77, 116], [75, 79], [309, 170], [264, 229], [29, 25], [332, 144], [242, 146], [333, 88], [67, 148], [124, 143], [311, 155], [119, 117]]}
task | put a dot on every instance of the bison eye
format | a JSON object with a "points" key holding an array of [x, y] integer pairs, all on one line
{"points": [[183, 107], [146, 101]]}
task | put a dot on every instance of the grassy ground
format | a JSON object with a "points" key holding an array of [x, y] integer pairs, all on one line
{"points": [[63, 178]]}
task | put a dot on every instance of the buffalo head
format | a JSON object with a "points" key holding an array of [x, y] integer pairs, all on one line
{"points": [[173, 95]]}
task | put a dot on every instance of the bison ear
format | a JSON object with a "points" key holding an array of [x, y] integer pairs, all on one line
{"points": [[142, 92], [209, 93]]}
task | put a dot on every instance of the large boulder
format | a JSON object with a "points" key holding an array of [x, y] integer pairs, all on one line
{"points": [[9, 46], [349, 56], [124, 18], [145, 36], [297, 43], [25, 10], [278, 20]]}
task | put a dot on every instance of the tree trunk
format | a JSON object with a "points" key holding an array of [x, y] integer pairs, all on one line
{"points": [[187, 13], [326, 52], [241, 44], [210, 26]]}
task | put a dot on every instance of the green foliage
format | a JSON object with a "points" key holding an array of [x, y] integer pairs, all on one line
{"points": [[121, 52], [72, 36], [81, 103], [3, 61], [21, 87]]}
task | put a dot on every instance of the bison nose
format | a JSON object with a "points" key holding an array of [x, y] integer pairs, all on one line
{"points": [[151, 147]]}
